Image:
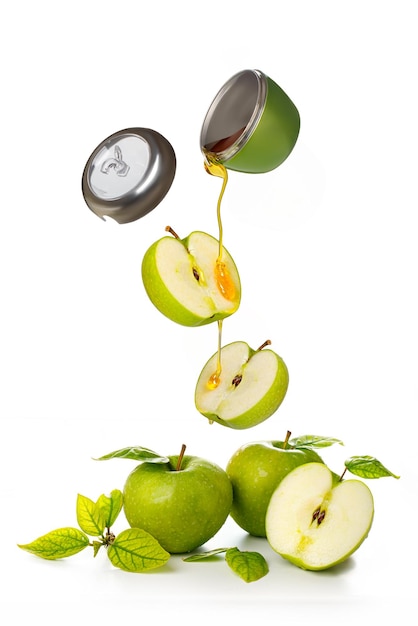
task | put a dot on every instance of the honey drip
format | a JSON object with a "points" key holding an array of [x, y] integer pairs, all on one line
{"points": [[222, 277], [224, 281], [215, 379]]}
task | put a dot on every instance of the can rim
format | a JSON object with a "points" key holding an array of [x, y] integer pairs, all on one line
{"points": [[237, 145]]}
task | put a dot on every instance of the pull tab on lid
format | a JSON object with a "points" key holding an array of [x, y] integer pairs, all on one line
{"points": [[128, 174]]}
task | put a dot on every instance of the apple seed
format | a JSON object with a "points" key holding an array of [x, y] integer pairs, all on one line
{"points": [[236, 381], [318, 515]]}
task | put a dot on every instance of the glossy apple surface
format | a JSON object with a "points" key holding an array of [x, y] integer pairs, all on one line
{"points": [[188, 283], [252, 385], [255, 470], [315, 523], [182, 508]]}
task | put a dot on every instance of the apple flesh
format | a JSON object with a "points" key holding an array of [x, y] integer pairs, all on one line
{"points": [[315, 523], [189, 282], [252, 385], [255, 470], [181, 508]]}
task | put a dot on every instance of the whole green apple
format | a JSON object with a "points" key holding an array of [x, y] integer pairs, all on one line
{"points": [[189, 281], [182, 503], [255, 470]]}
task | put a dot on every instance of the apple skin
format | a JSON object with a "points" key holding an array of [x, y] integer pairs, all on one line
{"points": [[255, 367], [255, 470], [176, 262], [291, 532], [182, 508]]}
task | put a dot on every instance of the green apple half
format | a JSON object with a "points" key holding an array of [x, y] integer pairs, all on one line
{"points": [[316, 523], [252, 385], [187, 282], [182, 508], [255, 470]]}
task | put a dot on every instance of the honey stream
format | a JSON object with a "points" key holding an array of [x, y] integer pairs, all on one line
{"points": [[223, 280]]}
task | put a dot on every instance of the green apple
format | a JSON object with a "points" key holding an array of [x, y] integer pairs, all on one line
{"points": [[250, 386], [189, 281], [182, 503], [315, 523], [255, 470]]}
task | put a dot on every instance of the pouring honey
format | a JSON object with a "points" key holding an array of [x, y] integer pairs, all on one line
{"points": [[222, 277]]}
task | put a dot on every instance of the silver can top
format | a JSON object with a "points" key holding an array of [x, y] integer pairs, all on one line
{"points": [[128, 174]]}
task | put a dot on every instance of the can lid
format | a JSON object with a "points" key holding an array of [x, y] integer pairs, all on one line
{"points": [[128, 174]]}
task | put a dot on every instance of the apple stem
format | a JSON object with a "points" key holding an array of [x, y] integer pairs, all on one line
{"points": [[266, 343], [286, 441], [342, 475], [180, 459], [172, 232]]}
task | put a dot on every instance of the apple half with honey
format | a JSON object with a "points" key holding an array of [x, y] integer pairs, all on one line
{"points": [[192, 281], [315, 521], [240, 387]]}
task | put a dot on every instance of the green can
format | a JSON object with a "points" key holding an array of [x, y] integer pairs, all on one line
{"points": [[251, 126]]}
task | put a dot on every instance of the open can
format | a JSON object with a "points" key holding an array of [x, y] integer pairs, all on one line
{"points": [[251, 126]]}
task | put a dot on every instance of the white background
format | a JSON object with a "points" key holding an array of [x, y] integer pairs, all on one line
{"points": [[326, 246]]}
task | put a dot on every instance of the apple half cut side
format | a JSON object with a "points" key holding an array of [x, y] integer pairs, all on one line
{"points": [[187, 281], [315, 522], [252, 385]]}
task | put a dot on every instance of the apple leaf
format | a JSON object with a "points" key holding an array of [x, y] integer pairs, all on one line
{"points": [[250, 566], [135, 550], [91, 517], [313, 441], [57, 544], [367, 467], [201, 556], [136, 454], [111, 506], [96, 547]]}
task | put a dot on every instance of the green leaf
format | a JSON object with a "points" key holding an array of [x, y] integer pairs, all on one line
{"points": [[90, 516], [367, 467], [135, 550], [136, 453], [111, 506], [57, 544], [313, 441], [201, 556], [250, 566], [96, 547]]}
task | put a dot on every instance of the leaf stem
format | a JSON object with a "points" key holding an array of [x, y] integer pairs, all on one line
{"points": [[180, 459]]}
